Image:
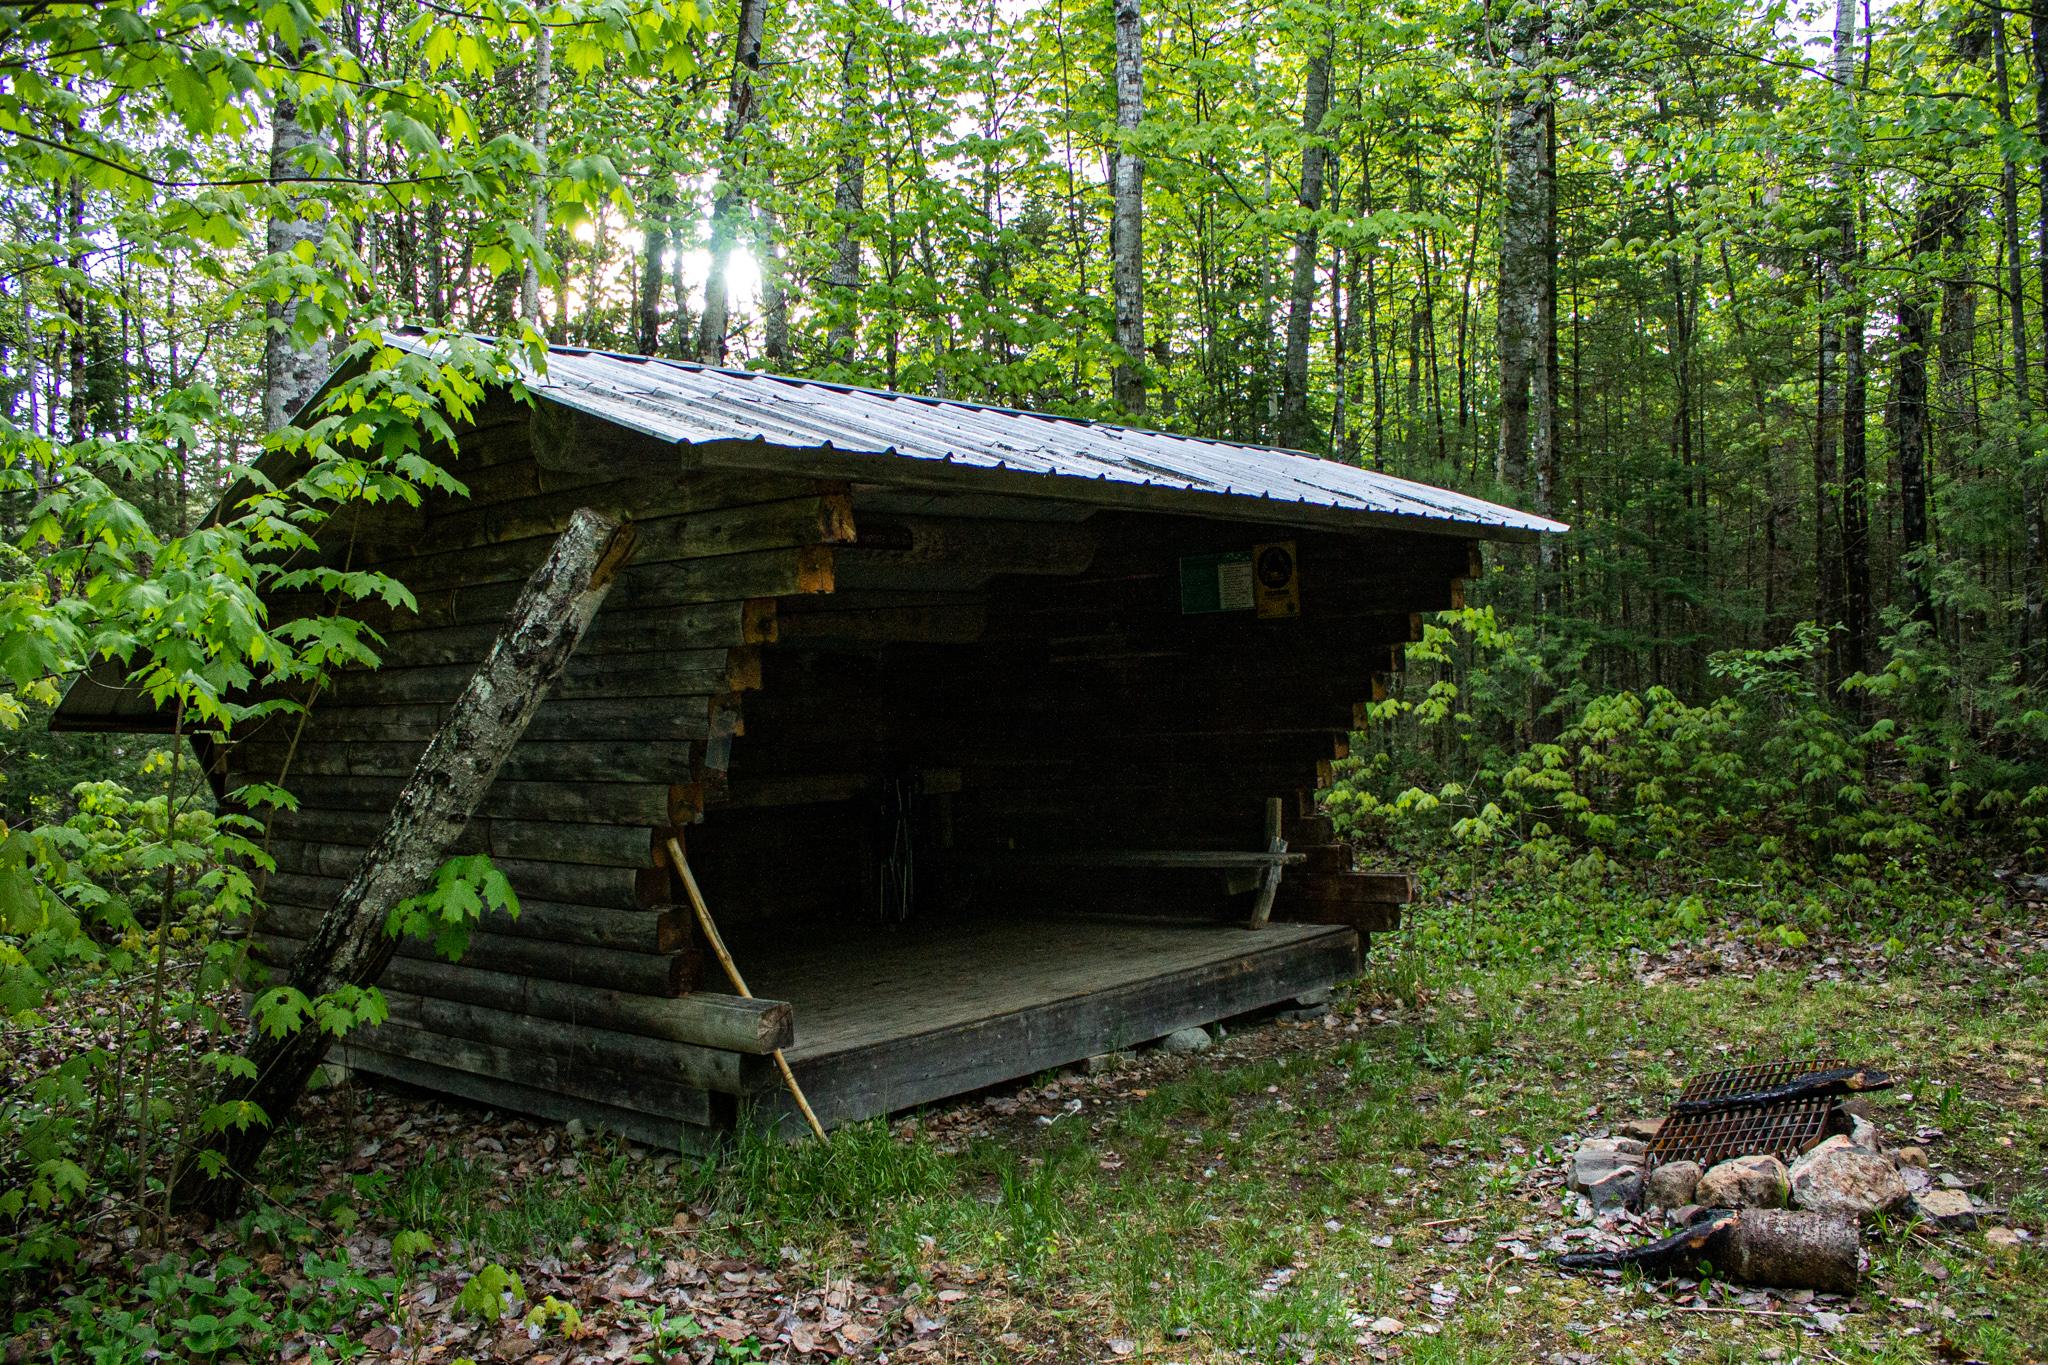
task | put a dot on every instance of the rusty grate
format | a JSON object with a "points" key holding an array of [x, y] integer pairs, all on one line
{"points": [[1780, 1130]]}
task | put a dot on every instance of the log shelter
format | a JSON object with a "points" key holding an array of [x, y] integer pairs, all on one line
{"points": [[992, 738]]}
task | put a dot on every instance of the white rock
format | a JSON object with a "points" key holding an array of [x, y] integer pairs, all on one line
{"points": [[1673, 1184], [1949, 1208], [1839, 1178], [1744, 1182], [1192, 1039]]}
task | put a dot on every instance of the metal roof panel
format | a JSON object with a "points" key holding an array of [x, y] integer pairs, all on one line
{"points": [[688, 404]]}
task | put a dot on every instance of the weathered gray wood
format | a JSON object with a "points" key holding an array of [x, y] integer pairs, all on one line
{"points": [[555, 803], [704, 1018], [658, 930], [652, 1129], [777, 527], [594, 716], [328, 851], [1269, 884], [616, 760], [629, 1054], [643, 973], [350, 947], [614, 887], [877, 1057], [578, 1079], [1366, 918]]}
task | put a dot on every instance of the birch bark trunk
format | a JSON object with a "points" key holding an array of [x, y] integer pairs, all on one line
{"points": [[352, 947], [1127, 226], [537, 218], [294, 366]]}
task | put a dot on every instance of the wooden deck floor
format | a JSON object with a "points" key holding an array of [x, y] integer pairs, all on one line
{"points": [[887, 1020]]}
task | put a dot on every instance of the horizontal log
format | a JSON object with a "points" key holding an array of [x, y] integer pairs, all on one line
{"points": [[577, 1078], [723, 532], [651, 1129], [1365, 918], [1325, 858], [702, 626], [1350, 888], [517, 503], [613, 760], [593, 844], [340, 838], [285, 927], [559, 804], [703, 1018], [803, 571], [631, 1054], [615, 889], [662, 929]]}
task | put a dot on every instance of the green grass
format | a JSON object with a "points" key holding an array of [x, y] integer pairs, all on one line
{"points": [[1234, 1210], [1264, 1201]]}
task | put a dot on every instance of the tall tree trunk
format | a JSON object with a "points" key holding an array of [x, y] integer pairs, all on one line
{"points": [[654, 248], [1545, 451], [2032, 641], [543, 78], [849, 196], [1856, 605], [1297, 424], [2034, 666], [742, 108], [1127, 226], [774, 289], [352, 946], [1525, 229], [294, 365], [1909, 398]]}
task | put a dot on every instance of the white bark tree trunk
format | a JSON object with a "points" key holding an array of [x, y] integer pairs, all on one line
{"points": [[294, 367], [352, 947], [537, 218], [1127, 227]]}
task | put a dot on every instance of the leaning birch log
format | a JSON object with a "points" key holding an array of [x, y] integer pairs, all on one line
{"points": [[1776, 1248], [351, 947]]}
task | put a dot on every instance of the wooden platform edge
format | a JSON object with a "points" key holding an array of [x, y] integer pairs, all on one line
{"points": [[882, 1078]]}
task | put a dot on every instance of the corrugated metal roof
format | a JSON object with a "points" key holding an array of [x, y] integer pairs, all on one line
{"points": [[688, 404]]}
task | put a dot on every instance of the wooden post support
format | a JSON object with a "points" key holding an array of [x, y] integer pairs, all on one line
{"points": [[350, 946], [732, 972], [1276, 844]]}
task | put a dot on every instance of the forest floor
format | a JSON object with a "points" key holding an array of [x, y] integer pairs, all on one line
{"points": [[1383, 1183]]}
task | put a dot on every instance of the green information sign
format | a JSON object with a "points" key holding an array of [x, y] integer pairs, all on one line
{"points": [[1221, 582]]}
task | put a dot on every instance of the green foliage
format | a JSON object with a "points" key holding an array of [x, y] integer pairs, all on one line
{"points": [[1768, 773], [464, 889], [491, 1293]]}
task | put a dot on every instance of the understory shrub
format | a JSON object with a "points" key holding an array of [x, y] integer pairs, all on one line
{"points": [[1768, 772]]}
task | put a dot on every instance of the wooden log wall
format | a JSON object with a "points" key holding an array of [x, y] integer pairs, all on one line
{"points": [[781, 653], [588, 1004]]}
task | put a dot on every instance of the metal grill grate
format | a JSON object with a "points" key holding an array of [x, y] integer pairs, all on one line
{"points": [[1779, 1130]]}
